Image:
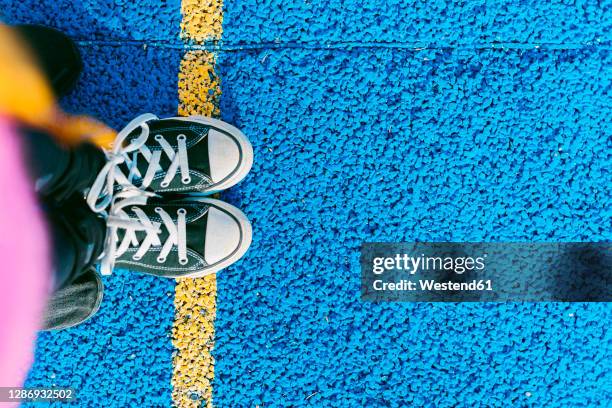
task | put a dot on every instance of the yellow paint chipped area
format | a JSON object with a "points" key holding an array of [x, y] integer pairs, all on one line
{"points": [[199, 86], [202, 20]]}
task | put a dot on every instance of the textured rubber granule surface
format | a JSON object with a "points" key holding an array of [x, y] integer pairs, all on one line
{"points": [[379, 144], [384, 141], [320, 23], [101, 20]]}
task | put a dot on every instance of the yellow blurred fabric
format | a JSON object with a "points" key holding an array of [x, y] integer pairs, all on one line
{"points": [[26, 96]]}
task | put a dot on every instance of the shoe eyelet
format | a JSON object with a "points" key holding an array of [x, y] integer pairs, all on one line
{"points": [[158, 137], [133, 208], [158, 209], [181, 211], [160, 259], [136, 258], [183, 261], [186, 180], [164, 183], [181, 137]]}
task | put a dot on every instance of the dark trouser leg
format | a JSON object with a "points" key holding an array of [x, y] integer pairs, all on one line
{"points": [[77, 234], [75, 302], [61, 175], [78, 239]]}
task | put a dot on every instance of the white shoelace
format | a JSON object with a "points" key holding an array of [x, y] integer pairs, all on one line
{"points": [[118, 219], [101, 193]]}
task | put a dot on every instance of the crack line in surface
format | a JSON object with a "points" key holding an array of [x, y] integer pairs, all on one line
{"points": [[414, 46]]}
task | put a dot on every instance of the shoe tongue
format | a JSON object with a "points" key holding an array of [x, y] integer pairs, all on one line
{"points": [[170, 129]]}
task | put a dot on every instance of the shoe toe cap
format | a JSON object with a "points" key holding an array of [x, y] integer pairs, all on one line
{"points": [[224, 155], [223, 236]]}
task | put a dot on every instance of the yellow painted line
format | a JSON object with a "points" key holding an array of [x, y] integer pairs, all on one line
{"points": [[194, 339], [193, 332]]}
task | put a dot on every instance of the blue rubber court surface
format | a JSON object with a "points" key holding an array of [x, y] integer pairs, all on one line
{"points": [[370, 121]]}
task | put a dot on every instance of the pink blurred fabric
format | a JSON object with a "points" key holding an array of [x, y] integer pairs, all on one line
{"points": [[24, 261]]}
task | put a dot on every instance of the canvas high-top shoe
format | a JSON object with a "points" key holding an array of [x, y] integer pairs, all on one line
{"points": [[190, 237], [176, 155]]}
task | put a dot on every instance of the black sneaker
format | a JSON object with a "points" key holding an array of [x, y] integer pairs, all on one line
{"points": [[57, 55], [176, 155], [191, 237]]}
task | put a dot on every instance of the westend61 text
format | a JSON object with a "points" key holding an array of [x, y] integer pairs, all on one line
{"points": [[432, 285]]}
